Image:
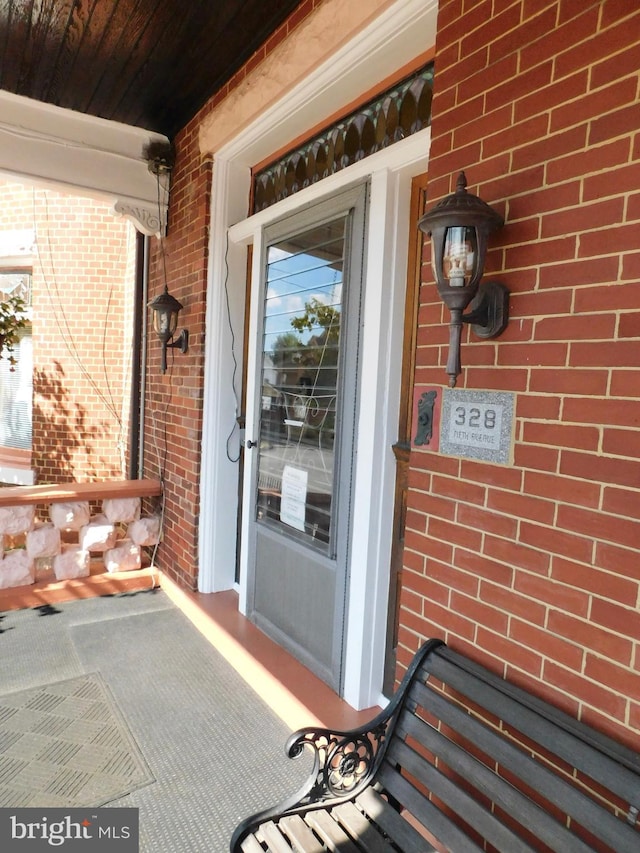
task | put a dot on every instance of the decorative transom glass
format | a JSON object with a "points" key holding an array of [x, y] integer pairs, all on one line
{"points": [[402, 110]]}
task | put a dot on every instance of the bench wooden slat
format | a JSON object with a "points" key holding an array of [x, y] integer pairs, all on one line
{"points": [[330, 831], [557, 790], [392, 822], [443, 828], [358, 826], [299, 834], [561, 734], [460, 801], [250, 845], [274, 839]]}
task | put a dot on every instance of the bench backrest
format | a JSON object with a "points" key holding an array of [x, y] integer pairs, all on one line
{"points": [[513, 772]]}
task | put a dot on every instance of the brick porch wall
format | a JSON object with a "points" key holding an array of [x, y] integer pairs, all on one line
{"points": [[176, 399], [83, 276], [538, 563]]}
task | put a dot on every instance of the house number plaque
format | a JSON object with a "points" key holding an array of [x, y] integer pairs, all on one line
{"points": [[478, 425]]}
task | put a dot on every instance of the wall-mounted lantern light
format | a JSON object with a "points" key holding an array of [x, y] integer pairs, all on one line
{"points": [[165, 322], [459, 226]]}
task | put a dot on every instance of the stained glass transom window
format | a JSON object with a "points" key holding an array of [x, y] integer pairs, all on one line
{"points": [[402, 110]]}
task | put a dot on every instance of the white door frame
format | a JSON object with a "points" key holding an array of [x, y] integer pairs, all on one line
{"points": [[390, 172]]}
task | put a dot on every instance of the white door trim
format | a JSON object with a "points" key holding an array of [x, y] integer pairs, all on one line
{"points": [[391, 171]]}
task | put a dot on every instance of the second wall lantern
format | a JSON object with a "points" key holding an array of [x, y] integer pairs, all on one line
{"points": [[459, 227], [165, 309]]}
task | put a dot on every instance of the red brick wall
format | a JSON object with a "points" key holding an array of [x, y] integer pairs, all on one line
{"points": [[82, 304], [534, 568], [174, 400]]}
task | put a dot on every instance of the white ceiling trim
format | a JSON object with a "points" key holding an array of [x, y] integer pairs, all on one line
{"points": [[83, 155]]}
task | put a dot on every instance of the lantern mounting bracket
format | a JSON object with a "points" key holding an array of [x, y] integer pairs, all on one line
{"points": [[488, 312], [181, 342]]}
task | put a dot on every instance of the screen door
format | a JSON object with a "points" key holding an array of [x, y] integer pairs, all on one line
{"points": [[306, 387]]}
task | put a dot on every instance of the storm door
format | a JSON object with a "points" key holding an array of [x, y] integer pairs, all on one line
{"points": [[306, 384]]}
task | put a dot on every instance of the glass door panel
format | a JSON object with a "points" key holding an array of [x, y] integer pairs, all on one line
{"points": [[300, 382]]}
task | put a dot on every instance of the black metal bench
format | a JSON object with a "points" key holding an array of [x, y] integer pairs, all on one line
{"points": [[460, 760]]}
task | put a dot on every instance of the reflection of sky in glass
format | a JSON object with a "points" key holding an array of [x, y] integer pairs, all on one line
{"points": [[296, 278], [300, 373]]}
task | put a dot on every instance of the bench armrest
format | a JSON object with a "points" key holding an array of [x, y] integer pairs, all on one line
{"points": [[344, 762]]}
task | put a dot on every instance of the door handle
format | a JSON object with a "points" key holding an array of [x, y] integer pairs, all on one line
{"points": [[249, 444]]}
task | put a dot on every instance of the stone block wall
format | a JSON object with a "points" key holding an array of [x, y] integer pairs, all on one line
{"points": [[71, 538]]}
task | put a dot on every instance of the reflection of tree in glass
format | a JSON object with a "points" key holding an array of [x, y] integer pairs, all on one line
{"points": [[285, 349], [309, 361], [321, 349], [316, 313]]}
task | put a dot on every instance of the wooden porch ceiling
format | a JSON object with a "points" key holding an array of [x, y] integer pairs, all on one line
{"points": [[148, 63]]}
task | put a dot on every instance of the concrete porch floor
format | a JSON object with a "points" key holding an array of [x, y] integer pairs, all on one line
{"points": [[146, 636]]}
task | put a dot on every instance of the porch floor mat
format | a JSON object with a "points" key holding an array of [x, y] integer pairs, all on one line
{"points": [[66, 744]]}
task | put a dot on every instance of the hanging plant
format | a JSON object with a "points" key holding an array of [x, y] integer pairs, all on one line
{"points": [[13, 318]]}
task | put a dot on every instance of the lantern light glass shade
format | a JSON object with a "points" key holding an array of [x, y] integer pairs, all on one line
{"points": [[165, 323], [165, 315], [459, 226], [459, 257]]}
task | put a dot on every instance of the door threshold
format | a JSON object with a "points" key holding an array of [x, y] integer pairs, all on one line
{"points": [[292, 691]]}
